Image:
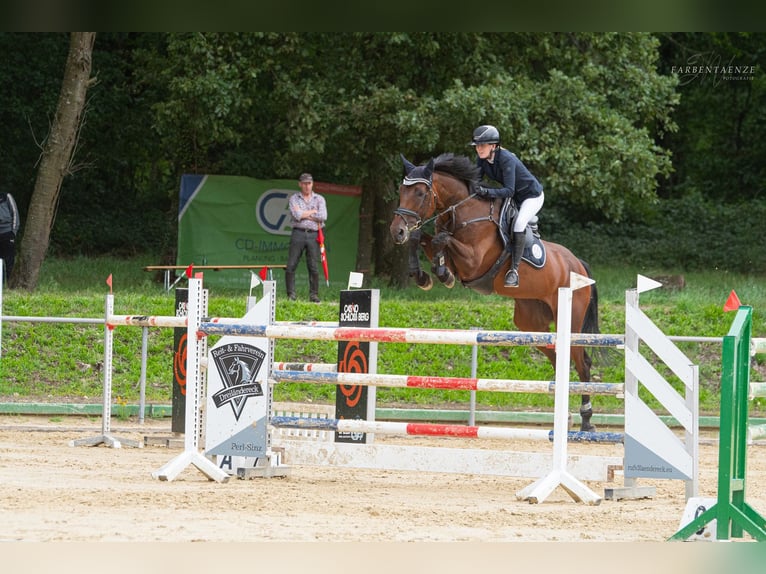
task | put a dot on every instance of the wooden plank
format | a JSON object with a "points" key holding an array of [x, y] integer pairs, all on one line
{"points": [[213, 267]]}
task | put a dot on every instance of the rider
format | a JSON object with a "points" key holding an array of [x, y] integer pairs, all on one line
{"points": [[502, 166]]}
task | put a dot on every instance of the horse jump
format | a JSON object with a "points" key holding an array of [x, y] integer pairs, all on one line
{"points": [[196, 325]]}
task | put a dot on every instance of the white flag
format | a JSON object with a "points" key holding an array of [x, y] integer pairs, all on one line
{"points": [[355, 279], [254, 281]]}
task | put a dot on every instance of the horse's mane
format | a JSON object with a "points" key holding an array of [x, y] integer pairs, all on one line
{"points": [[458, 166]]}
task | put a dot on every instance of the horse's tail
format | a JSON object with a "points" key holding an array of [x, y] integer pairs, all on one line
{"points": [[590, 321]]}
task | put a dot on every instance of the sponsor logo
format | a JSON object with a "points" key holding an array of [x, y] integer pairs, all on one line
{"points": [[238, 365], [273, 212]]}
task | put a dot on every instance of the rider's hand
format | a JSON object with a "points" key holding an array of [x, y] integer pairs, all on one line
{"points": [[482, 191]]}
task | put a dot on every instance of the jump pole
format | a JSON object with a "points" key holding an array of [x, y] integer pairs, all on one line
{"points": [[539, 490]]}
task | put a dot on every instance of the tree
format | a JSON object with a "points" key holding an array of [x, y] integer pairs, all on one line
{"points": [[55, 161], [719, 148]]}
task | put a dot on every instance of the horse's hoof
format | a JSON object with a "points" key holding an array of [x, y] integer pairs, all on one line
{"points": [[587, 427], [450, 283], [427, 283]]}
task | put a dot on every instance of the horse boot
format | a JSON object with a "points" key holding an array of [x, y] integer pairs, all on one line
{"points": [[586, 412], [290, 285], [512, 276]]}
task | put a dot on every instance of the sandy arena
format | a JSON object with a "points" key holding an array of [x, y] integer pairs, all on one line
{"points": [[55, 492]]}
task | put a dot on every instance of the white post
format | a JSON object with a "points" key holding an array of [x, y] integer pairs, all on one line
{"points": [[106, 395], [193, 429], [539, 490]]}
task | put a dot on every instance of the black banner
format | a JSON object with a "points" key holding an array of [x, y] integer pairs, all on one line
{"points": [[353, 357], [178, 422]]}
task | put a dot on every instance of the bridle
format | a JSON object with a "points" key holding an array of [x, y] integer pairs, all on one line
{"points": [[404, 213]]}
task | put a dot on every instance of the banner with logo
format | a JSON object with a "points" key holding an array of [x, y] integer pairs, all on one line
{"points": [[233, 220]]}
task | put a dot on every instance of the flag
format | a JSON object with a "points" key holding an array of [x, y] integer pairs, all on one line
{"points": [[264, 273], [320, 240], [732, 303], [254, 281], [190, 271], [109, 282], [355, 279]]}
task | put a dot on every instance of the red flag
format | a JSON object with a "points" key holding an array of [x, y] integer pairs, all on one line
{"points": [[320, 240], [109, 282], [264, 273], [189, 271], [732, 303]]}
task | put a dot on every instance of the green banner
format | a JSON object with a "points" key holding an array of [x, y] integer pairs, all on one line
{"points": [[232, 220]]}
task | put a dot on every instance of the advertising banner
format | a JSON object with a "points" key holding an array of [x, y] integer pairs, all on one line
{"points": [[233, 220], [358, 308]]}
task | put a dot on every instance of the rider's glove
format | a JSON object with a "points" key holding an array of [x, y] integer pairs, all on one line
{"points": [[482, 191]]}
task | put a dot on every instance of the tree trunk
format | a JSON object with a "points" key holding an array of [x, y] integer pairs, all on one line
{"points": [[364, 243], [376, 250], [55, 162]]}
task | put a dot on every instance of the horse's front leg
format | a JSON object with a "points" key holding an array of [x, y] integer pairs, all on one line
{"points": [[439, 264], [422, 278]]}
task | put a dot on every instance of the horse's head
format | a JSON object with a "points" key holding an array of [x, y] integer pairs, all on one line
{"points": [[416, 200]]}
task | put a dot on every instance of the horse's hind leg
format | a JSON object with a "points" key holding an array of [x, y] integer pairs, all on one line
{"points": [[582, 360], [582, 365], [537, 316]]}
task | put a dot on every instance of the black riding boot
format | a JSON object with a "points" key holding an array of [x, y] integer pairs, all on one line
{"points": [[290, 285], [314, 287], [512, 276]]}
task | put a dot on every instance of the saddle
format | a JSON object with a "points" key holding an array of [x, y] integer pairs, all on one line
{"points": [[534, 250]]}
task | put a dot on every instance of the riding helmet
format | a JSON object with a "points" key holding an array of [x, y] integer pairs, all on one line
{"points": [[485, 135]]}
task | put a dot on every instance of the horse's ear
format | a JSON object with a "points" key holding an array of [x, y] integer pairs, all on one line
{"points": [[408, 166], [429, 169]]}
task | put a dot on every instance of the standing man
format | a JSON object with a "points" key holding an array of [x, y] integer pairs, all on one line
{"points": [[9, 228], [309, 212]]}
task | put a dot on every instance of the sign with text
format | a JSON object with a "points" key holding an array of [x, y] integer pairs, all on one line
{"points": [[232, 220], [357, 309]]}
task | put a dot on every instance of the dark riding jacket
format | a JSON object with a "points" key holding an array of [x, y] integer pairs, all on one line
{"points": [[514, 177]]}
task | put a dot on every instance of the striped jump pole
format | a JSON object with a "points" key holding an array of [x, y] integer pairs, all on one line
{"points": [[311, 367], [454, 383], [396, 335], [429, 429]]}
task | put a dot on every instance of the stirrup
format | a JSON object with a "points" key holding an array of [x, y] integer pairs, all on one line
{"points": [[511, 278]]}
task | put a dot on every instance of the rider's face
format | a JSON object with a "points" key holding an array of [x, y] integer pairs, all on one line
{"points": [[484, 150]]}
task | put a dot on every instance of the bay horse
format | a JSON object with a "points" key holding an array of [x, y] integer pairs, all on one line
{"points": [[469, 243]]}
